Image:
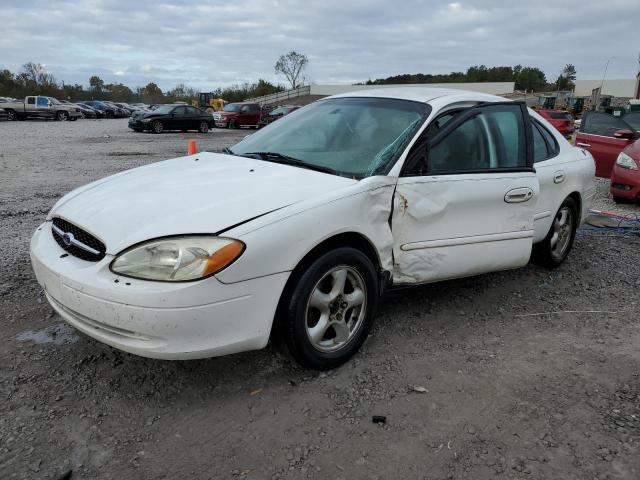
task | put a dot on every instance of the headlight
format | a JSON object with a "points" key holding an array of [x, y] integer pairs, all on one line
{"points": [[625, 161], [177, 259]]}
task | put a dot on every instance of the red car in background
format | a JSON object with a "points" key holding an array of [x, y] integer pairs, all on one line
{"points": [[238, 115], [561, 120], [615, 147]]}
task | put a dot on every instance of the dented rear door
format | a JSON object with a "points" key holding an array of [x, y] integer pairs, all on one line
{"points": [[472, 210]]}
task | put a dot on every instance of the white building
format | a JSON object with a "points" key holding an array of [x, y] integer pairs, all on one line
{"points": [[619, 88]]}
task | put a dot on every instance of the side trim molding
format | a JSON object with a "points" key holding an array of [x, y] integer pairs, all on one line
{"points": [[452, 242]]}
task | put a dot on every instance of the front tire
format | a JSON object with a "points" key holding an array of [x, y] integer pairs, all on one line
{"points": [[328, 309], [157, 127], [232, 124], [555, 248]]}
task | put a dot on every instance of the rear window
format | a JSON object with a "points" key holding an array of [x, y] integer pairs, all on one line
{"points": [[560, 115]]}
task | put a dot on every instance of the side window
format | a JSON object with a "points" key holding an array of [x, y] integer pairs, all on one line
{"points": [[31, 100], [552, 143], [603, 124], [545, 145], [493, 139], [179, 111], [244, 109], [255, 108], [540, 151], [192, 111], [43, 101]]}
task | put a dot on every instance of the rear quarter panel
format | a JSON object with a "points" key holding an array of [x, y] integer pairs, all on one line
{"points": [[578, 168]]}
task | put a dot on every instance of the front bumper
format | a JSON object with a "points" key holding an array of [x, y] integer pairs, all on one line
{"points": [[625, 183], [138, 125], [186, 320]]}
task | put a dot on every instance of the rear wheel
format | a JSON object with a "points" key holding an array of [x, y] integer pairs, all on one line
{"points": [[555, 248], [62, 116], [11, 115], [204, 127], [157, 126], [329, 308]]}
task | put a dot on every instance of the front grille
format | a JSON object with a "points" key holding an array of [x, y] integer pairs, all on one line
{"points": [[82, 237]]}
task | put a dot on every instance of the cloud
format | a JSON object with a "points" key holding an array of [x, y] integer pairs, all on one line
{"points": [[214, 43]]}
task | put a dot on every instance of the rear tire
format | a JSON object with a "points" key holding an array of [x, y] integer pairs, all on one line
{"points": [[204, 127], [157, 127], [618, 199], [328, 309], [555, 248], [12, 116], [62, 116]]}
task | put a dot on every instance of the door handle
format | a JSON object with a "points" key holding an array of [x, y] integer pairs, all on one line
{"points": [[558, 177], [580, 144], [518, 195]]}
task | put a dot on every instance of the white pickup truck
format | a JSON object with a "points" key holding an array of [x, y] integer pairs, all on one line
{"points": [[40, 107]]}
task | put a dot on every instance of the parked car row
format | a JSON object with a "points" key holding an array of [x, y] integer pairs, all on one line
{"points": [[185, 117], [43, 107]]}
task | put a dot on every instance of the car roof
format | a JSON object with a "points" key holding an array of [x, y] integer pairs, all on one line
{"points": [[422, 94]]}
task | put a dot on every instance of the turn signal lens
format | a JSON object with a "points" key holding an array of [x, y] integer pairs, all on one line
{"points": [[223, 257]]}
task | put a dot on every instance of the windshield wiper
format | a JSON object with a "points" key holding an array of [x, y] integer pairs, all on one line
{"points": [[228, 151], [287, 160]]}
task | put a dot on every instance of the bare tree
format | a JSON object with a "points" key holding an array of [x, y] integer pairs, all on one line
{"points": [[291, 66]]}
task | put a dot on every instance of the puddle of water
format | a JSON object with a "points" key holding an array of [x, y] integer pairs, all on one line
{"points": [[60, 334]]}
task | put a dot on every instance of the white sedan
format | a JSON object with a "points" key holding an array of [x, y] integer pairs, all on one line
{"points": [[298, 229]]}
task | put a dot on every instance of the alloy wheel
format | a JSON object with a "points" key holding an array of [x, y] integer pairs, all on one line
{"points": [[336, 309], [562, 231]]}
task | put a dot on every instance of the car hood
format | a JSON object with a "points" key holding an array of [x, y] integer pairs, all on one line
{"points": [[203, 193], [633, 150]]}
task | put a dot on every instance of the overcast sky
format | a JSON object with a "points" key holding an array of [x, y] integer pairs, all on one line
{"points": [[212, 43]]}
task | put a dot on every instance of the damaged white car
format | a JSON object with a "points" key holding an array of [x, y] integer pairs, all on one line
{"points": [[300, 227]]}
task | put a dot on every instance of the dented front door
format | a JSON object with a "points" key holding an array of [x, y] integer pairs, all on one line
{"points": [[453, 226]]}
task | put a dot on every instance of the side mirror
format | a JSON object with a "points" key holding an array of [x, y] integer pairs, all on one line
{"points": [[625, 133]]}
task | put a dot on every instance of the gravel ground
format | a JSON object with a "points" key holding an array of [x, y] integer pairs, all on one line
{"points": [[507, 390]]}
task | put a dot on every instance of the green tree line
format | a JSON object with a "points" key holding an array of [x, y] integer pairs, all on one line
{"points": [[525, 78], [33, 79]]}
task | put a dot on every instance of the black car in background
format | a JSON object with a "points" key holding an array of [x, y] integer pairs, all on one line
{"points": [[109, 112], [171, 117], [99, 113]]}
